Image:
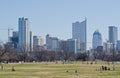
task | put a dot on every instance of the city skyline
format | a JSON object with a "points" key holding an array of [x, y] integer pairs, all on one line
{"points": [[100, 15]]}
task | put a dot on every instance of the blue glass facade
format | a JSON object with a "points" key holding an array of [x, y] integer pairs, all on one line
{"points": [[72, 45], [20, 31], [24, 33]]}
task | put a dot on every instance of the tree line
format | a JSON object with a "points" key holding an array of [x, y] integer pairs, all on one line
{"points": [[8, 53]]}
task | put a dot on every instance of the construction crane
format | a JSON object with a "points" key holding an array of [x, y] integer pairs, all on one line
{"points": [[8, 29]]}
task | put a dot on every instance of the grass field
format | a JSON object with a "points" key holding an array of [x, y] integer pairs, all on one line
{"points": [[53, 70]]}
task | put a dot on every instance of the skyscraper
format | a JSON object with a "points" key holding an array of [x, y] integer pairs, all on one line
{"points": [[52, 43], [113, 34], [48, 42], [71, 43], [14, 39], [97, 39], [79, 33], [118, 46], [37, 43], [24, 34], [63, 45], [68, 45], [55, 44], [31, 41]]}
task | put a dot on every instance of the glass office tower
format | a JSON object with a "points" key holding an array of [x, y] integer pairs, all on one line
{"points": [[97, 39], [113, 34], [24, 34], [79, 33]]}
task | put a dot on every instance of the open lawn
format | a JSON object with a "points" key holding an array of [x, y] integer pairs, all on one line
{"points": [[59, 70]]}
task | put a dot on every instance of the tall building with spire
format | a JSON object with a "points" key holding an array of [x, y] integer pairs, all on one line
{"points": [[97, 39], [79, 32], [24, 34]]}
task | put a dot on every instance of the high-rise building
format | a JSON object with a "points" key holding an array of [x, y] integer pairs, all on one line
{"points": [[48, 42], [118, 46], [72, 45], [24, 34], [63, 45], [97, 39], [15, 33], [31, 41], [113, 35], [79, 33], [107, 47], [69, 45], [52, 43], [55, 44], [14, 39], [37, 43]]}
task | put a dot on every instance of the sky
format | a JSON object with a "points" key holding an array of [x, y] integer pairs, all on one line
{"points": [[55, 17]]}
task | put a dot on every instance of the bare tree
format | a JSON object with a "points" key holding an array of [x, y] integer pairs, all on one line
{"points": [[67, 56], [4, 49], [24, 54], [81, 56], [8, 53]]}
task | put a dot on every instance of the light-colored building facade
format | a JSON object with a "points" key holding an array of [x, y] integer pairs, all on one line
{"points": [[52, 43], [79, 33], [107, 47], [37, 43], [113, 34], [31, 41]]}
